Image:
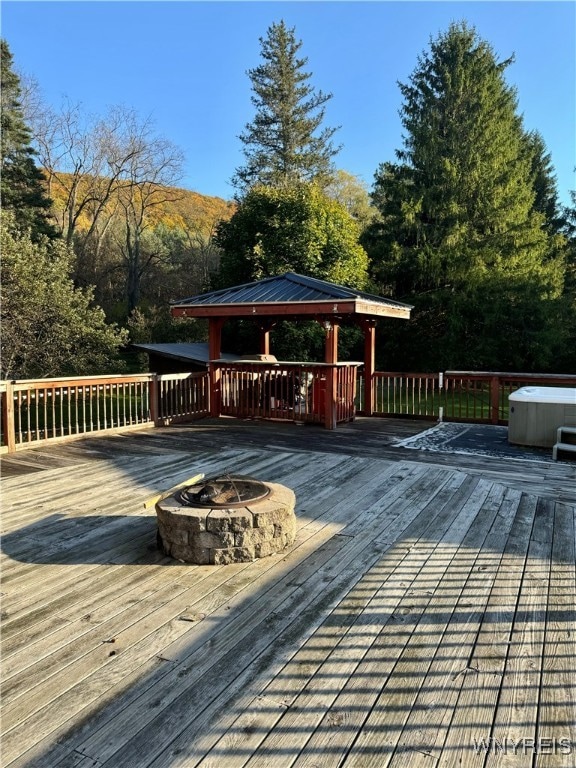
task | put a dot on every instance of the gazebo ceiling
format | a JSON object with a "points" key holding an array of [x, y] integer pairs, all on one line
{"points": [[286, 295]]}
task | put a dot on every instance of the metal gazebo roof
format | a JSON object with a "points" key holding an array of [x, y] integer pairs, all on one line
{"points": [[289, 294]]}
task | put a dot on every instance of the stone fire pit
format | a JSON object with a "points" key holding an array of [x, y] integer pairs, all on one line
{"points": [[228, 519]]}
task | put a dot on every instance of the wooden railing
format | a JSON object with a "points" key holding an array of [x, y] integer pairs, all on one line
{"points": [[469, 396], [288, 391], [39, 410], [182, 397]]}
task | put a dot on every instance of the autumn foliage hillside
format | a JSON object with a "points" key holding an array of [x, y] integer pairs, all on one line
{"points": [[179, 208]]}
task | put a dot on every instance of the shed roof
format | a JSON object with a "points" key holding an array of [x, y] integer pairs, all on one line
{"points": [[288, 294], [196, 352]]}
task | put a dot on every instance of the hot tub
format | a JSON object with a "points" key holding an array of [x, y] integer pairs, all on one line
{"points": [[537, 412]]}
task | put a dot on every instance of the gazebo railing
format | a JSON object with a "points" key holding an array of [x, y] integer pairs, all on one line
{"points": [[288, 391]]}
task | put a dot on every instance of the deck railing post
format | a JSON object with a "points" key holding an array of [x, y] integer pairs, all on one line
{"points": [[495, 399], [154, 394], [8, 417], [331, 357], [215, 390], [214, 351], [369, 327], [330, 399]]}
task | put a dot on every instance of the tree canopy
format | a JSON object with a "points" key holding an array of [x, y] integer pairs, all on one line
{"points": [[460, 234], [354, 195], [298, 229], [285, 142], [21, 182], [49, 327]]}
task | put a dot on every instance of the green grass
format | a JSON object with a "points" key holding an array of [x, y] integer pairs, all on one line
{"points": [[69, 415], [456, 404]]}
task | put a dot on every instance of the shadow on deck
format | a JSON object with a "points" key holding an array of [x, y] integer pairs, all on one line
{"points": [[424, 615]]}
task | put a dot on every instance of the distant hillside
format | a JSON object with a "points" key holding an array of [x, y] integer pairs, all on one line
{"points": [[192, 206], [182, 207]]}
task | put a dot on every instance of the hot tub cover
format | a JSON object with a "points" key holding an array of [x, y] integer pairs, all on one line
{"points": [[565, 395]]}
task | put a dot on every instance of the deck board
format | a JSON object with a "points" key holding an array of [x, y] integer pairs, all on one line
{"points": [[470, 718], [427, 602]]}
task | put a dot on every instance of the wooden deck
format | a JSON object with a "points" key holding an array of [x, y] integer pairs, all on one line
{"points": [[425, 615]]}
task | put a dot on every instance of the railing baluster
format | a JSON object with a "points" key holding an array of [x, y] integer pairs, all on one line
{"points": [[19, 416], [69, 409], [36, 414], [91, 405], [45, 420]]}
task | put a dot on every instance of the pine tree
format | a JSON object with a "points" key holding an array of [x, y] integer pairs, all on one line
{"points": [[460, 234], [285, 142], [21, 188], [544, 182]]}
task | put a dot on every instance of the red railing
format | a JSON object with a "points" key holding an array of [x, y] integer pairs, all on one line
{"points": [[310, 392], [345, 399], [469, 396], [182, 397]]}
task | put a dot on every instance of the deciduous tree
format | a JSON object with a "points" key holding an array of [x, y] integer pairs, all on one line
{"points": [[351, 192], [153, 168], [298, 229], [291, 229], [108, 177], [49, 327]]}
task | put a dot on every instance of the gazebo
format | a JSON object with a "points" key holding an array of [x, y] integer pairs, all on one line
{"points": [[261, 386]]}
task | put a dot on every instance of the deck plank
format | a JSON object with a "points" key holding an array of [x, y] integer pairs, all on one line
{"points": [[453, 666], [380, 733], [428, 600], [480, 689], [280, 690], [515, 718], [557, 705]]}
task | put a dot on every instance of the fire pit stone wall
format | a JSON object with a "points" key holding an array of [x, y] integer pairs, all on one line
{"points": [[208, 536]]}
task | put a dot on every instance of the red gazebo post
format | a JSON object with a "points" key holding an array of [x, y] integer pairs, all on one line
{"points": [[369, 327], [331, 357], [214, 351], [265, 328]]}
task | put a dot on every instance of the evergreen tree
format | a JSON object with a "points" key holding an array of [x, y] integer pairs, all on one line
{"points": [[285, 142], [21, 186], [567, 362], [544, 182], [460, 235]]}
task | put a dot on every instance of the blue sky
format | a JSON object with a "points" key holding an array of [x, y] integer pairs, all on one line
{"points": [[184, 63]]}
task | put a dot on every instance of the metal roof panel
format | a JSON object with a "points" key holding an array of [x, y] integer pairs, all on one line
{"points": [[183, 351], [286, 288]]}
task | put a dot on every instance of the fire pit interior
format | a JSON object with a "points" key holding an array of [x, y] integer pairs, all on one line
{"points": [[224, 491], [228, 518]]}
